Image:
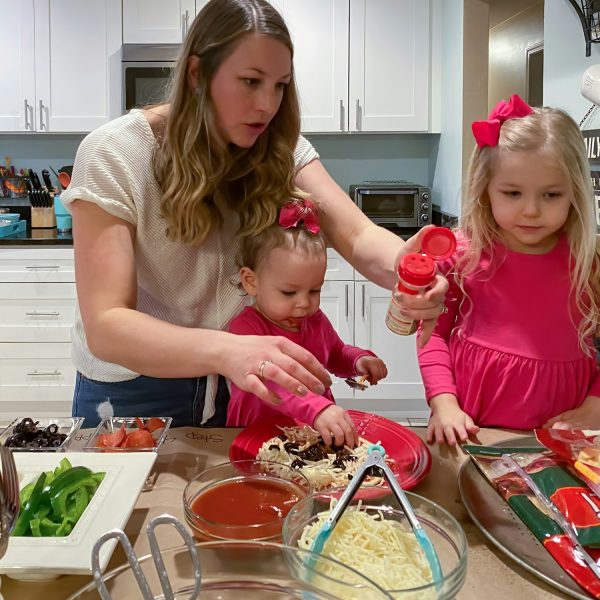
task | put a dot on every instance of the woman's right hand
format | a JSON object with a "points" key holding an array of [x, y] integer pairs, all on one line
{"points": [[250, 360], [448, 421]]}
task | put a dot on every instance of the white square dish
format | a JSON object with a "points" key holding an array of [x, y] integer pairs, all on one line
{"points": [[39, 558]]}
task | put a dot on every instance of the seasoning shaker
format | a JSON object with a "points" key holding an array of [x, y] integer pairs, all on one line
{"points": [[416, 273]]}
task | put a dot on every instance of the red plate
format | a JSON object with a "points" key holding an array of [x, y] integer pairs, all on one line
{"points": [[412, 459]]}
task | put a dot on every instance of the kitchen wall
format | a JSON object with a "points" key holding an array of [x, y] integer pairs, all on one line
{"points": [[348, 158], [508, 44], [564, 58]]}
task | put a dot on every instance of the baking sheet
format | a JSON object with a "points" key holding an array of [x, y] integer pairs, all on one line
{"points": [[503, 528]]}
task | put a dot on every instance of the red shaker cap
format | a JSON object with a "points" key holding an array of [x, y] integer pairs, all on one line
{"points": [[417, 269], [438, 243]]}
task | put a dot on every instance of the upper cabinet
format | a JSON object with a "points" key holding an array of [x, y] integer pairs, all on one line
{"points": [[361, 66], [64, 61], [157, 21]]}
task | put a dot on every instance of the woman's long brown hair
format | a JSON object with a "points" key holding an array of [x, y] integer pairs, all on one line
{"points": [[194, 166]]}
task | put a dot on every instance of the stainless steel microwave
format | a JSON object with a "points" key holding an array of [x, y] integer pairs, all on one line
{"points": [[147, 70], [396, 204]]}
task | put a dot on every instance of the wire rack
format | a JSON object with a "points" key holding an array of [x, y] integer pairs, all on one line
{"points": [[588, 12]]}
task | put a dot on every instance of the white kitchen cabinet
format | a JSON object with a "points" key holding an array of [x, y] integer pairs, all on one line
{"points": [[157, 21], [37, 310], [68, 57], [401, 394], [17, 87], [389, 65], [319, 30], [357, 311], [361, 66]]}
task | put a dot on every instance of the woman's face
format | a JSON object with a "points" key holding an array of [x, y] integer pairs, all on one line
{"points": [[248, 87]]}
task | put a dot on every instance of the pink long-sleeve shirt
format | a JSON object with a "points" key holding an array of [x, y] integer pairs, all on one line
{"points": [[316, 335], [510, 353]]}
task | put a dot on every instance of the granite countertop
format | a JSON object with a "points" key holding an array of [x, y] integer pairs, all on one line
{"points": [[39, 237]]}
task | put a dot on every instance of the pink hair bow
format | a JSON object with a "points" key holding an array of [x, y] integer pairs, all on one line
{"points": [[297, 211], [487, 133]]}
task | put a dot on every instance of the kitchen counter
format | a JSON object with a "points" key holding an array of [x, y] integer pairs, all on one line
{"points": [[38, 237], [187, 451]]}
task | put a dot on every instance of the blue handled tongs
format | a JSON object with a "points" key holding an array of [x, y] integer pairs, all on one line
{"points": [[376, 458]]}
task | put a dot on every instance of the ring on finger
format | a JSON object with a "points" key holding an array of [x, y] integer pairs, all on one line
{"points": [[444, 309], [262, 365]]}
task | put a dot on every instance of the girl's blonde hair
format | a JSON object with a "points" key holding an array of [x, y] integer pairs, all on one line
{"points": [[194, 166], [554, 133]]}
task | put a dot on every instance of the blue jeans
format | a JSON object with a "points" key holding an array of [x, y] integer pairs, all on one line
{"points": [[182, 399]]}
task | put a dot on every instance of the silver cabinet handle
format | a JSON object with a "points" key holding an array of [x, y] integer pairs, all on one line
{"points": [[27, 123], [37, 373], [358, 115], [347, 306], [342, 116], [43, 267], [185, 21], [42, 126], [38, 313], [362, 310]]}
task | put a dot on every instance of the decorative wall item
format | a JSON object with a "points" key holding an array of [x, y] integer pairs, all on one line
{"points": [[588, 12]]}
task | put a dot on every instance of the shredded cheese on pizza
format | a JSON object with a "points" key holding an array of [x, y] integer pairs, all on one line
{"points": [[303, 449], [379, 548]]}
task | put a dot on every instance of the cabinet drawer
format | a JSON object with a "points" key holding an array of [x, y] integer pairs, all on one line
{"points": [[40, 373], [36, 319], [37, 265], [337, 268], [37, 291]]}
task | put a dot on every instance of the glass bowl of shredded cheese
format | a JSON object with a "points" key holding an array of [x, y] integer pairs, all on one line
{"points": [[375, 539]]}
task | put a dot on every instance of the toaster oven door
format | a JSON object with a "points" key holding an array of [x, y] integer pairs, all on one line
{"points": [[394, 206]]}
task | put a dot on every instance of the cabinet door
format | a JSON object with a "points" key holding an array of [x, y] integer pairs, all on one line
{"points": [[156, 21], [337, 302], [319, 30], [389, 65], [17, 96], [401, 394], [77, 63]]}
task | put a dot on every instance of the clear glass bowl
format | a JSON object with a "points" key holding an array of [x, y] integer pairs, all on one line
{"points": [[273, 485], [240, 569], [113, 424], [444, 531], [67, 426]]}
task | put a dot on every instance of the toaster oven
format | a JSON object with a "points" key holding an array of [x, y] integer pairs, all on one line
{"points": [[394, 204]]}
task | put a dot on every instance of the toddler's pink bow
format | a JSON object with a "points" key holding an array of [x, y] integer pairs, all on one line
{"points": [[296, 211], [487, 133]]}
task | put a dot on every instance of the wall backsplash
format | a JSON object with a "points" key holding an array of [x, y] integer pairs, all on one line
{"points": [[348, 158]]}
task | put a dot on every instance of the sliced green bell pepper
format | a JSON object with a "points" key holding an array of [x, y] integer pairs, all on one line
{"points": [[28, 510]]}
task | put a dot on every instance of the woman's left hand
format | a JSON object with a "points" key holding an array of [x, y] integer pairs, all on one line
{"points": [[428, 306]]}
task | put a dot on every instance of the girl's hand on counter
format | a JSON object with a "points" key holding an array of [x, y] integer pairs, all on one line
{"points": [[448, 421], [587, 416], [250, 360]]}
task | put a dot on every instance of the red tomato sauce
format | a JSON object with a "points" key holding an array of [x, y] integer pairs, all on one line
{"points": [[229, 508]]}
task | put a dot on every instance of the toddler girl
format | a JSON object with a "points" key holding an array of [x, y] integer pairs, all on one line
{"points": [[283, 269], [515, 347]]}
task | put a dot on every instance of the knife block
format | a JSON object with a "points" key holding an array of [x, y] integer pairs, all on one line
{"points": [[43, 217]]}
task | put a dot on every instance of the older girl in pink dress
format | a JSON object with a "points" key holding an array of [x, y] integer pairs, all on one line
{"points": [[515, 346]]}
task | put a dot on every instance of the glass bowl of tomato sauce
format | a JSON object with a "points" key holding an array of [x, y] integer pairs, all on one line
{"points": [[129, 434], [243, 500]]}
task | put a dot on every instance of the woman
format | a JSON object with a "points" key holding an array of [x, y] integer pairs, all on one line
{"points": [[160, 199]]}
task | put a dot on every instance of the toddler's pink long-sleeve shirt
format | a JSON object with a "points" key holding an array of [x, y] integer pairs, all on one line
{"points": [[316, 335], [511, 353]]}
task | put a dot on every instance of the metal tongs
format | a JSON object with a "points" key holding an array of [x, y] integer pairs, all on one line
{"points": [[156, 557], [560, 519], [376, 458]]}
